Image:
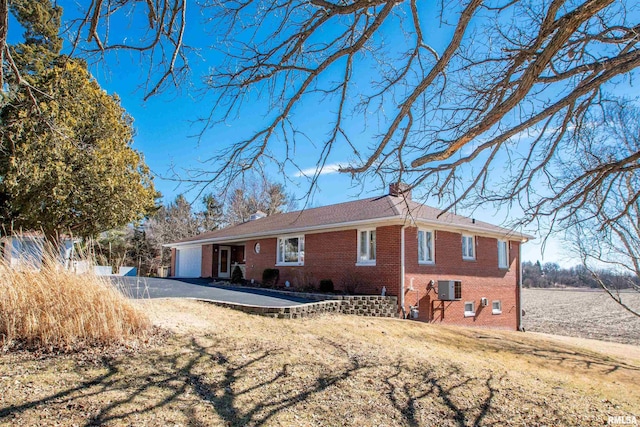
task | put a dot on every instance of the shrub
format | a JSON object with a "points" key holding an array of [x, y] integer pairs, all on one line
{"points": [[270, 276], [351, 283], [326, 285], [236, 275], [54, 308], [303, 281]]}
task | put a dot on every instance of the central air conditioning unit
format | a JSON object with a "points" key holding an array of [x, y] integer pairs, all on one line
{"points": [[449, 290]]}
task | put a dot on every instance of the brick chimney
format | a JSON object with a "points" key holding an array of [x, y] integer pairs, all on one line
{"points": [[400, 189]]}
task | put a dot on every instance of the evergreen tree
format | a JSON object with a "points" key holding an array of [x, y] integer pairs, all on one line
{"points": [[66, 162]]}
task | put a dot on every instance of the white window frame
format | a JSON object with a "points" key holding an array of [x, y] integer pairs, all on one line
{"points": [[495, 310], [367, 259], [503, 262], [472, 246], [423, 243], [471, 313], [280, 260]]}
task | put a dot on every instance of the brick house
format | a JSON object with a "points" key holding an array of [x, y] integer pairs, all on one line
{"points": [[387, 244]]}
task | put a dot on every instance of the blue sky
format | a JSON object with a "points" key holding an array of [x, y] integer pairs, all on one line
{"points": [[166, 133]]}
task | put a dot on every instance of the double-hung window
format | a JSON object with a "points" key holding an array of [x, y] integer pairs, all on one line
{"points": [[468, 247], [425, 247], [503, 254], [367, 247], [291, 250]]}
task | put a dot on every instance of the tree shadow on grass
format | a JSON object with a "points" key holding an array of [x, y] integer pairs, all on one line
{"points": [[208, 381], [541, 351], [548, 351], [404, 395], [104, 380], [170, 378], [263, 410]]}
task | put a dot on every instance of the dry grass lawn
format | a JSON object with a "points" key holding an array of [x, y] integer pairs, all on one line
{"points": [[222, 367]]}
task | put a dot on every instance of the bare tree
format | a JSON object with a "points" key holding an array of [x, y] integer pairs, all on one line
{"points": [[616, 246], [443, 96], [255, 194], [606, 229], [155, 32], [171, 223]]}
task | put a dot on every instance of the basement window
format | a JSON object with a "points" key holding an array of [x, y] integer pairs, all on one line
{"points": [[469, 309], [496, 307]]}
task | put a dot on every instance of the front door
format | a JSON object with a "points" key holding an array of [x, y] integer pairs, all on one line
{"points": [[224, 262]]}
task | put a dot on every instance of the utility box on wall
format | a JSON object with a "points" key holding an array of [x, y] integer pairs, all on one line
{"points": [[449, 290]]}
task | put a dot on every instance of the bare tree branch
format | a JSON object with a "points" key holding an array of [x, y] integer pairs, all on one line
{"points": [[486, 116], [606, 229]]}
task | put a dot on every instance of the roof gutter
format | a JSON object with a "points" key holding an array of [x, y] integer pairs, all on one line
{"points": [[479, 231], [519, 306]]}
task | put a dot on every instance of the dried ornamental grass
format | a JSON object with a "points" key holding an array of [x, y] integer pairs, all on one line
{"points": [[55, 308]]}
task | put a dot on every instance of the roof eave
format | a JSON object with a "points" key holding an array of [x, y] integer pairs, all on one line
{"points": [[390, 220], [282, 232], [475, 229]]}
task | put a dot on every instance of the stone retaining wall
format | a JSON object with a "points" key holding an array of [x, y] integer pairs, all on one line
{"points": [[375, 306], [365, 305]]}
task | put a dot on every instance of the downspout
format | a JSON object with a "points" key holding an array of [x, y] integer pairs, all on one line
{"points": [[402, 269], [519, 325]]}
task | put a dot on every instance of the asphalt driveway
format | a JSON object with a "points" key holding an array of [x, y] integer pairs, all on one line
{"points": [[149, 287]]}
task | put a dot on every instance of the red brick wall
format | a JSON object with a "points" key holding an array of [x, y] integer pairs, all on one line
{"points": [[210, 259], [237, 254], [333, 255], [206, 267], [173, 262], [257, 263], [480, 278], [214, 260]]}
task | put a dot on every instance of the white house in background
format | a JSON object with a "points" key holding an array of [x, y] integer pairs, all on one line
{"points": [[24, 251]]}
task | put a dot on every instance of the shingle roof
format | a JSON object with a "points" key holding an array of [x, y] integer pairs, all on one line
{"points": [[378, 209]]}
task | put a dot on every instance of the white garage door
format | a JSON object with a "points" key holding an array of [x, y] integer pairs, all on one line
{"points": [[188, 262]]}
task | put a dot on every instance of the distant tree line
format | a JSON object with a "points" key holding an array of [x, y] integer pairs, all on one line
{"points": [[551, 275], [141, 245]]}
